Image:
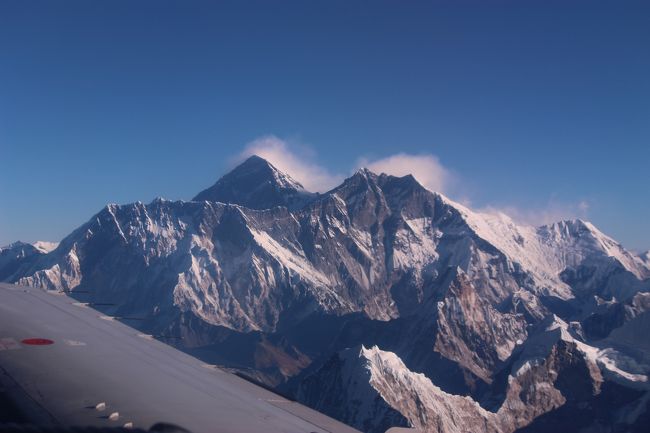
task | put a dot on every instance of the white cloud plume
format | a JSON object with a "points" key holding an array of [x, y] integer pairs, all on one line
{"points": [[298, 163], [426, 168]]}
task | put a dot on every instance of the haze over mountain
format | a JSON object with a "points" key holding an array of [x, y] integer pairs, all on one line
{"points": [[378, 302]]}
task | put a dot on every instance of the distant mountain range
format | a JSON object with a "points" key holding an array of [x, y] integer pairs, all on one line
{"points": [[379, 302]]}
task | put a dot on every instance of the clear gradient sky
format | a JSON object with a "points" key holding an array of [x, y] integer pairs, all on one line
{"points": [[536, 107]]}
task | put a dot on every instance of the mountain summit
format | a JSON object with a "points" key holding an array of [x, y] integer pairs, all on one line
{"points": [[257, 184]]}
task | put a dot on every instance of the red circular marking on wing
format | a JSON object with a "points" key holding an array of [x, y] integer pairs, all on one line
{"points": [[37, 341]]}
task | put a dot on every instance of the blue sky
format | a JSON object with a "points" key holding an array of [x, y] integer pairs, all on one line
{"points": [[539, 108]]}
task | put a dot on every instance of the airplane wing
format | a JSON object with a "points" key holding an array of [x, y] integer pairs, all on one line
{"points": [[67, 365]]}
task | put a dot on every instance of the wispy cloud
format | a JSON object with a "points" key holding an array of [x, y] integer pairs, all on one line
{"points": [[295, 160], [299, 161], [426, 168], [550, 212]]}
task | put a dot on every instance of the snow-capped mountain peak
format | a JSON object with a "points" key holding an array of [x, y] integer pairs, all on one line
{"points": [[579, 238], [256, 184], [548, 250], [45, 246]]}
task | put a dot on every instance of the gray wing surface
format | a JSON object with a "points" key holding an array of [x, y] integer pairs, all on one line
{"points": [[94, 359]]}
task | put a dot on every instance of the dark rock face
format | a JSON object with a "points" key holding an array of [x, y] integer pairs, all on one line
{"points": [[341, 389], [263, 276], [615, 409], [256, 184], [609, 315]]}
